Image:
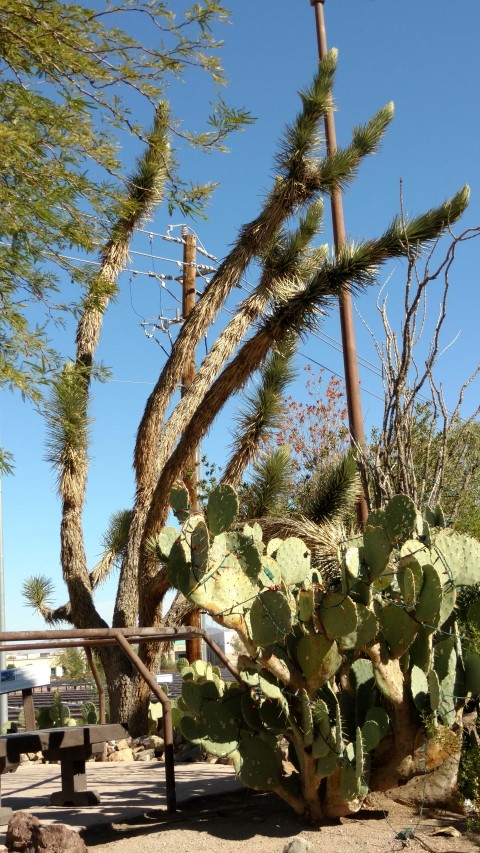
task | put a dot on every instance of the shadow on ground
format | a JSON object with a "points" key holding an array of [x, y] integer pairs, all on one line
{"points": [[235, 816]]}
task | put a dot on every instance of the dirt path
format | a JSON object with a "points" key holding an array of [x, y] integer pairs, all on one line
{"points": [[244, 822]]}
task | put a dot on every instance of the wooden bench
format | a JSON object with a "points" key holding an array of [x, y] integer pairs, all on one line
{"points": [[71, 746]]}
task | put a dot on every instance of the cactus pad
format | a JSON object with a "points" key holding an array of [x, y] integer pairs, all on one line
{"points": [[410, 590], [180, 503], [229, 588], [269, 685], [305, 605], [326, 765], [273, 545], [429, 602], [251, 712], [163, 543], [178, 568], [349, 786], [380, 717], [376, 549], [398, 628], [270, 574], [445, 657], [254, 530], [261, 763], [293, 558], [365, 632], [222, 508], [195, 694], [408, 563], [219, 722], [199, 551], [318, 658], [321, 746], [338, 614], [457, 557], [247, 551], [419, 687], [274, 714], [421, 649], [270, 617], [434, 690], [371, 735], [400, 518]]}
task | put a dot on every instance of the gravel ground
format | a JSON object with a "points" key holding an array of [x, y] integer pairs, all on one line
{"points": [[244, 822]]}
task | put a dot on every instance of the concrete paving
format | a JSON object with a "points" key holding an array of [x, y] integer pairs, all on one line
{"points": [[127, 790]]}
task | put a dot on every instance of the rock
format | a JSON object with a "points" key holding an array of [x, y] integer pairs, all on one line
{"points": [[145, 755], [25, 834], [298, 845], [19, 832], [122, 755], [189, 752], [57, 838], [122, 744], [153, 742]]}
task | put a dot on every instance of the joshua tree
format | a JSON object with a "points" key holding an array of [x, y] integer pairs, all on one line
{"points": [[297, 284]]}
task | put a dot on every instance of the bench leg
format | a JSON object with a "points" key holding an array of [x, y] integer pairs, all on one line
{"points": [[74, 785]]}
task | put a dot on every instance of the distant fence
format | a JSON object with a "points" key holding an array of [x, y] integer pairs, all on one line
{"points": [[75, 693]]}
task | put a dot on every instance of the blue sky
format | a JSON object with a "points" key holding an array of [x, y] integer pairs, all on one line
{"points": [[422, 55]]}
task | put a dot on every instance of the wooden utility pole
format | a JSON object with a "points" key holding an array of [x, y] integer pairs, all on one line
{"points": [[189, 278], [352, 381]]}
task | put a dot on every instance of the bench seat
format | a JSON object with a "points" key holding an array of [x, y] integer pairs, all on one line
{"points": [[71, 746]]}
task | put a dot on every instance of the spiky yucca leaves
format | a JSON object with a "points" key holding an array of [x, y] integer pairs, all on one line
{"points": [[144, 191], [68, 429], [302, 178], [114, 543], [288, 259], [354, 265], [330, 494], [270, 486], [38, 593], [262, 411]]}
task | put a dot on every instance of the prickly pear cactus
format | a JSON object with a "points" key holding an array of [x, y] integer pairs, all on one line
{"points": [[336, 672], [56, 715]]}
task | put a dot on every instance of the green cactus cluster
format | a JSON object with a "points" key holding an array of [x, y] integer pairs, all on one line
{"points": [[327, 664], [56, 715]]}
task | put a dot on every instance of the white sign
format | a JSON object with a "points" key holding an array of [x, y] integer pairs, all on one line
{"points": [[34, 675], [164, 678]]}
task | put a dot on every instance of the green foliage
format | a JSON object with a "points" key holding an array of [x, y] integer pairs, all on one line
{"points": [[298, 640], [269, 489], [88, 715], [56, 715], [331, 490], [67, 76], [74, 663], [38, 591]]}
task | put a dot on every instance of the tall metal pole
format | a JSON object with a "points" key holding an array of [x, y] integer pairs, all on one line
{"points": [[4, 697], [189, 280], [352, 381]]}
